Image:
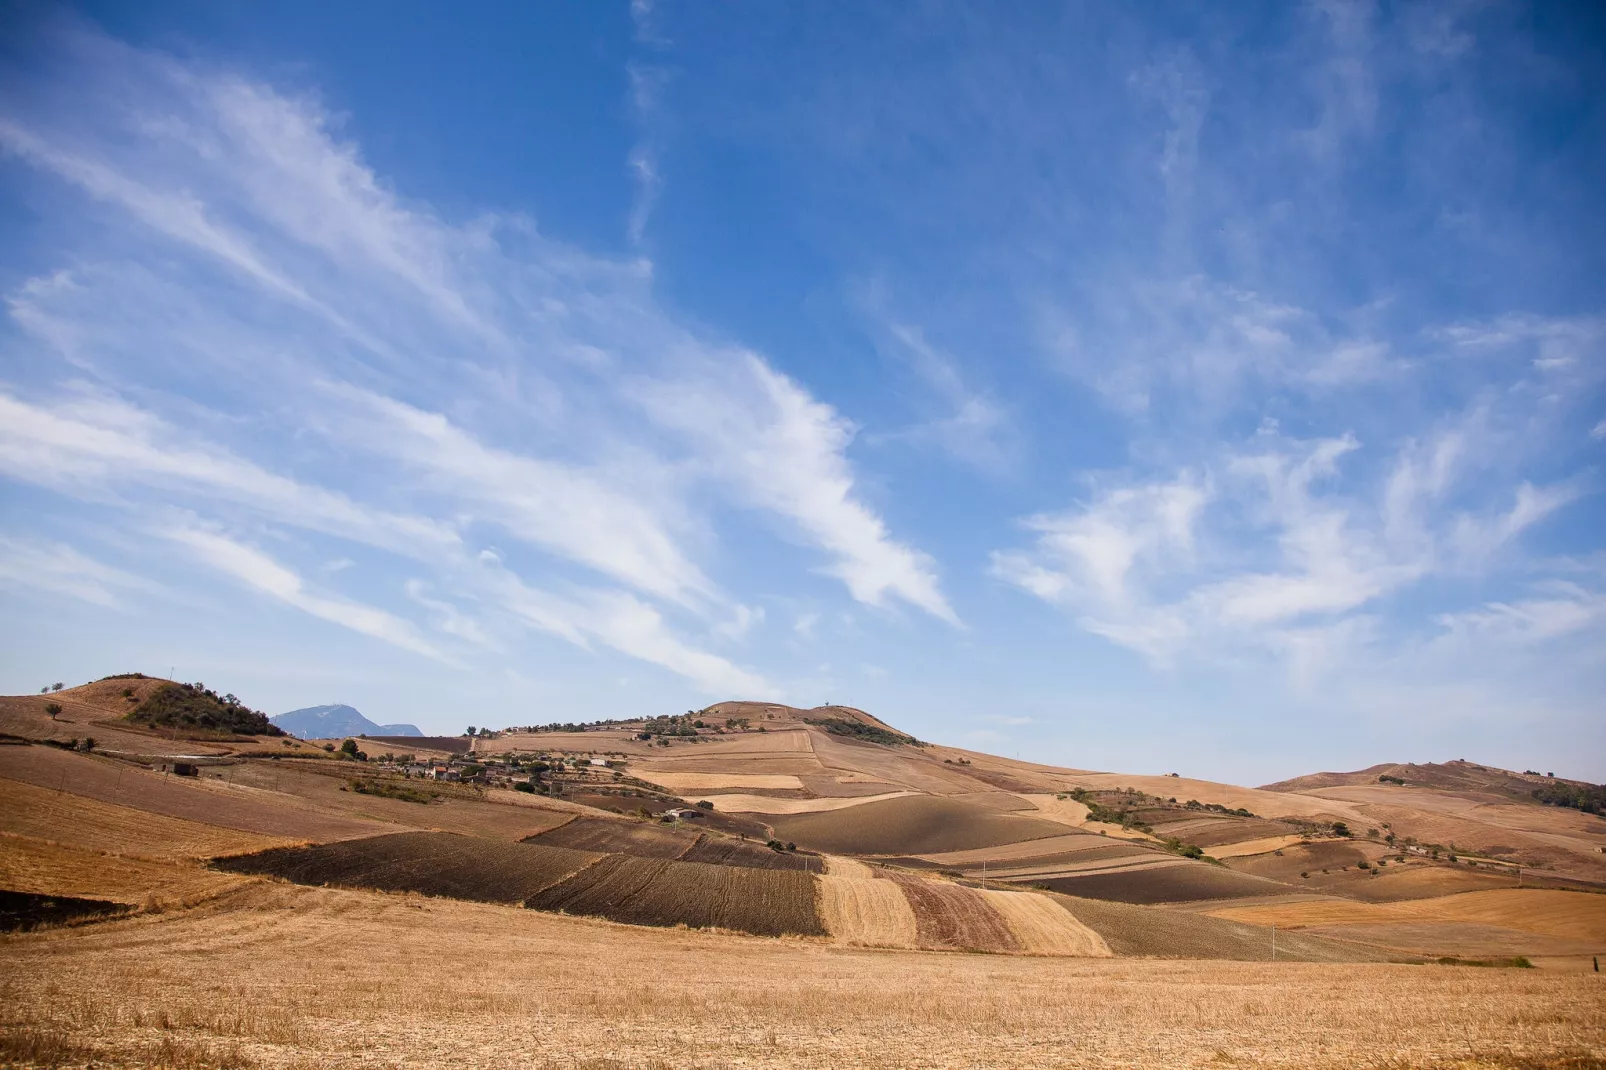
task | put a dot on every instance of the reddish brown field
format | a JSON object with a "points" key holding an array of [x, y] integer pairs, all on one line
{"points": [[951, 916]]}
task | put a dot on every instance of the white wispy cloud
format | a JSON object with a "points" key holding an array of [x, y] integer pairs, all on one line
{"points": [[57, 569], [1165, 568], [256, 570], [477, 372]]}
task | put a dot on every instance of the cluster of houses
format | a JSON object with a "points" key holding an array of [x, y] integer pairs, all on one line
{"points": [[487, 771]]}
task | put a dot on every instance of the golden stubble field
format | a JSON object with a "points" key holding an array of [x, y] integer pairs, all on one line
{"points": [[272, 975]]}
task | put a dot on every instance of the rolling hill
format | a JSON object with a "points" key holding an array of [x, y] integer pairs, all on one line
{"points": [[825, 824]]}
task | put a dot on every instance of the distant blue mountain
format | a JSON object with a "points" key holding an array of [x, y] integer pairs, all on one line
{"points": [[327, 722]]}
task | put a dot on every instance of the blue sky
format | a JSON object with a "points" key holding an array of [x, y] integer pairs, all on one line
{"points": [[1211, 389]]}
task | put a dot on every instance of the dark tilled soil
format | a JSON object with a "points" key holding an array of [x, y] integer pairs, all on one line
{"points": [[432, 863], [607, 836], [912, 825], [1172, 884], [655, 891], [720, 851], [25, 910]]}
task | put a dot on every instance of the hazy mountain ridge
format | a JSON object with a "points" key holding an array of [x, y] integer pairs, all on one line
{"points": [[326, 722]]}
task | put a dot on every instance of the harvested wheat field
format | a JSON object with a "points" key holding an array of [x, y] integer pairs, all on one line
{"points": [[233, 806], [46, 868], [302, 977], [1043, 927], [866, 912], [744, 803], [107, 828]]}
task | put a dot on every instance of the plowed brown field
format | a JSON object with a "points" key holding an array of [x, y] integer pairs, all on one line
{"points": [[913, 825], [724, 851], [951, 916], [653, 891], [606, 836], [1185, 883], [431, 863]]}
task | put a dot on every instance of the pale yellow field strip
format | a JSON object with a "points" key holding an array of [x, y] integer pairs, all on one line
{"points": [[1264, 845], [758, 804], [1102, 865], [868, 913], [89, 824], [1043, 927], [30, 865], [1577, 915], [859, 778], [837, 866], [1066, 811], [1004, 853], [717, 781]]}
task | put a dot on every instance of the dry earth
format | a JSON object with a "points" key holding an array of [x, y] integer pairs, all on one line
{"points": [[274, 975]]}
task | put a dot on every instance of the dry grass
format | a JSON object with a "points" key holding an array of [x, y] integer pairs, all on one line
{"points": [[1043, 927], [45, 868], [763, 804], [1575, 914], [88, 824], [865, 912], [684, 782], [279, 976]]}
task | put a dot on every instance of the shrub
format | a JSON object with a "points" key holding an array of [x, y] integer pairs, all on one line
{"points": [[705, 804], [54, 709], [525, 786], [1340, 829]]}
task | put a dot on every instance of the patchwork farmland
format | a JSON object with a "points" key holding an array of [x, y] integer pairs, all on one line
{"points": [[798, 840]]}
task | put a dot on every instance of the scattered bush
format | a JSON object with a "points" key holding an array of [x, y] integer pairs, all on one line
{"points": [[841, 726], [194, 706], [54, 709]]}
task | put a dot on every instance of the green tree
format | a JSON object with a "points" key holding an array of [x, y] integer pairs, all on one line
{"points": [[57, 686], [54, 709], [1340, 829], [349, 748]]}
